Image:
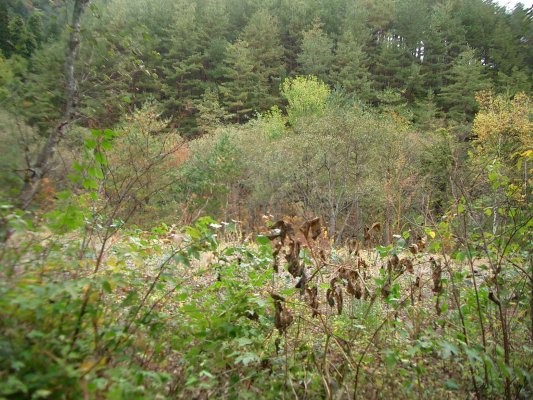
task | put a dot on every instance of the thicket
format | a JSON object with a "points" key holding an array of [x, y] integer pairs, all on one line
{"points": [[314, 199], [95, 309]]}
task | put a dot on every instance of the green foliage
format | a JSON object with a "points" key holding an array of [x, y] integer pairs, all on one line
{"points": [[137, 161], [82, 334], [175, 51], [337, 164], [351, 70], [306, 96], [466, 78], [211, 173], [19, 142], [244, 90], [39, 96], [68, 216], [316, 57], [273, 123], [92, 307], [210, 112], [437, 162], [193, 318]]}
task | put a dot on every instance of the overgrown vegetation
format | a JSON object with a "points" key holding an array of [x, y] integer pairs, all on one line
{"points": [[265, 199]]}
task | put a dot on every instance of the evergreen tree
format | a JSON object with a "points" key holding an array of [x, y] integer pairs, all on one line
{"points": [[183, 65], [316, 56], [35, 27], [425, 111], [411, 22], [445, 41], [244, 91], [351, 71], [329, 11], [213, 20], [4, 31], [210, 113], [21, 40], [466, 77], [488, 32], [263, 37], [517, 81], [294, 17], [391, 63], [255, 67], [42, 97], [521, 26]]}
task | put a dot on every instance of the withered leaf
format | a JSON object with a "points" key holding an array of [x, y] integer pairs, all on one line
{"points": [[353, 246], [277, 297], [358, 291], [413, 248], [421, 243], [282, 317], [408, 265], [302, 282], [280, 224], [273, 234], [395, 261], [354, 289], [389, 266], [281, 229], [312, 299], [338, 298], [275, 253], [368, 231], [494, 298], [343, 273], [295, 268], [436, 275], [330, 298], [293, 258], [267, 364], [350, 289], [276, 265], [311, 228], [386, 288], [251, 315], [316, 228], [362, 263], [286, 319]]}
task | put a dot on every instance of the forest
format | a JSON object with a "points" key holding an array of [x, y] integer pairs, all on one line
{"points": [[237, 199]]}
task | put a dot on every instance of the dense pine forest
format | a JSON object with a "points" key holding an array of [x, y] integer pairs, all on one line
{"points": [[266, 199]]}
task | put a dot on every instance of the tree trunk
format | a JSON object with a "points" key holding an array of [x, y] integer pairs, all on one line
{"points": [[41, 167]]}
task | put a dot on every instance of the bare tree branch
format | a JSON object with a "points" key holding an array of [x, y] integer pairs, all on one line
{"points": [[42, 165]]}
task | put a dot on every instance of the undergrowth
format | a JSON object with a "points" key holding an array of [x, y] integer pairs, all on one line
{"points": [[195, 316], [92, 309]]}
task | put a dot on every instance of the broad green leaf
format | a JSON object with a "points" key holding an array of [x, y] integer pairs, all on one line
{"points": [[450, 384], [247, 358]]}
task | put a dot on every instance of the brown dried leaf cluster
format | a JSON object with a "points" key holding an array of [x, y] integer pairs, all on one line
{"points": [[282, 316]]}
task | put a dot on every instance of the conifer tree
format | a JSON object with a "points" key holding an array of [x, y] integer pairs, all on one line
{"points": [[4, 32], [350, 67], [263, 37], [466, 77], [316, 56], [445, 41], [255, 67], [243, 91]]}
